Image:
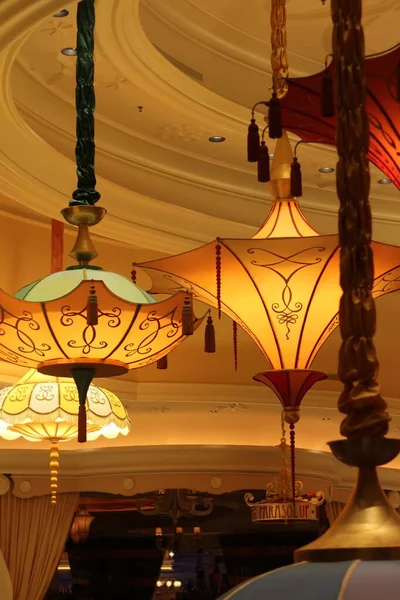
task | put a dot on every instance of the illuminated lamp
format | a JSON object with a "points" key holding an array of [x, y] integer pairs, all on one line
{"points": [[281, 286], [85, 322], [358, 557], [81, 525], [39, 408], [301, 112]]}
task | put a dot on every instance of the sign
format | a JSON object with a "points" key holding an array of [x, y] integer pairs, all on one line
{"points": [[285, 511]]}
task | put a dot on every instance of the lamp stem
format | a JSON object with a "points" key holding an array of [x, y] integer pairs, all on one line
{"points": [[85, 99]]}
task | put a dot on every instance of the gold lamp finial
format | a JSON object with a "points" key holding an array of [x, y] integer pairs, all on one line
{"points": [[280, 169], [83, 216]]}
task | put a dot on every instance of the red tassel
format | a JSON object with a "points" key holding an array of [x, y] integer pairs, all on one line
{"points": [[218, 276], [263, 164], [187, 315], [92, 308], [327, 99], [133, 273], [274, 117], [253, 142], [296, 188], [162, 363], [209, 336], [235, 344], [293, 459], [398, 82], [82, 424]]}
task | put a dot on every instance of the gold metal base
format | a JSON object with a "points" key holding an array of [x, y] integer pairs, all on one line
{"points": [[368, 528], [83, 217], [64, 368]]}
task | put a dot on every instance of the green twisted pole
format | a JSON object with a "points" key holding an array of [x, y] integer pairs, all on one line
{"points": [[85, 100]]}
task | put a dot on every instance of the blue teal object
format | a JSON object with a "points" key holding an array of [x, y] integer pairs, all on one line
{"points": [[62, 283], [349, 580]]}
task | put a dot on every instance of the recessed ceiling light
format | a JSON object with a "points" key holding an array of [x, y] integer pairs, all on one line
{"points": [[216, 139], [384, 181], [69, 51], [326, 170], [326, 418], [61, 13], [271, 155]]}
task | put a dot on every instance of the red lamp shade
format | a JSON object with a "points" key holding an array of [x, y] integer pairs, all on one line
{"points": [[301, 111]]}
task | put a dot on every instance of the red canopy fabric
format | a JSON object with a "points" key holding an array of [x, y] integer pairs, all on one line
{"points": [[302, 112]]}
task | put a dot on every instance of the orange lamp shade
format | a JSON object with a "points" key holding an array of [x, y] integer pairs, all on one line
{"points": [[282, 285], [49, 329]]}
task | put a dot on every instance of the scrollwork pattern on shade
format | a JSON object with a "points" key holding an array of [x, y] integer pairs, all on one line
{"points": [[154, 325], [89, 332], [23, 327], [286, 267]]}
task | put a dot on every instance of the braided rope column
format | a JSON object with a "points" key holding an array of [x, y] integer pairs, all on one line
{"points": [[85, 193], [279, 61], [360, 400]]}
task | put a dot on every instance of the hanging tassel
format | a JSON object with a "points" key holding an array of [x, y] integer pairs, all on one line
{"points": [[253, 141], [218, 276], [274, 117], [293, 460], [296, 188], [162, 363], [54, 466], [133, 273], [398, 82], [92, 308], [235, 344], [57, 246], [82, 424], [187, 315], [327, 99], [263, 164], [209, 336]]}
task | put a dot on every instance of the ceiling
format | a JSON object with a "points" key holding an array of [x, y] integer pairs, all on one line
{"points": [[195, 66]]}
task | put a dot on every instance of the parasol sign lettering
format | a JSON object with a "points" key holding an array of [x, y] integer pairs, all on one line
{"points": [[285, 511]]}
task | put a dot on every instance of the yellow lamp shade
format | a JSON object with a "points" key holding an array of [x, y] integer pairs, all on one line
{"points": [[55, 336], [39, 407]]}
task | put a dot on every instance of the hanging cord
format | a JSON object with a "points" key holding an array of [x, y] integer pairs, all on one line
{"points": [[279, 60], [293, 460], [86, 193]]}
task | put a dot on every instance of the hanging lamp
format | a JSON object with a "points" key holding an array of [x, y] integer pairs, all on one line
{"points": [[281, 286], [287, 274], [85, 322], [306, 112], [358, 557], [40, 408], [80, 528]]}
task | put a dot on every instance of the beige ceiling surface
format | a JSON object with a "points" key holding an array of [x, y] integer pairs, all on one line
{"points": [[168, 189]]}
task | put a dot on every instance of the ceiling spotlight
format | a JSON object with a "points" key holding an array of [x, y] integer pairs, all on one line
{"points": [[384, 181], [271, 155], [69, 51], [326, 170], [61, 13], [216, 139], [326, 418]]}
